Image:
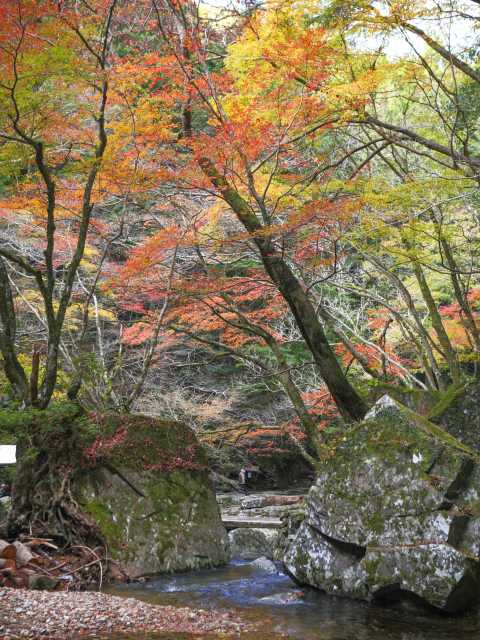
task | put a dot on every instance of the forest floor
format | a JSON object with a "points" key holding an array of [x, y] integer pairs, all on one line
{"points": [[73, 614]]}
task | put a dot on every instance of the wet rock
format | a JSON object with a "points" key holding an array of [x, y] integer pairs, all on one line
{"points": [[264, 564], [291, 597], [251, 543], [394, 511]]}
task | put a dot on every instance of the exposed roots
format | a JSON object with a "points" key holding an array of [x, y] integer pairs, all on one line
{"points": [[50, 464], [43, 504]]}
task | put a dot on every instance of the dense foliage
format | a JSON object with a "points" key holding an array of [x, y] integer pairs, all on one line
{"points": [[266, 212]]}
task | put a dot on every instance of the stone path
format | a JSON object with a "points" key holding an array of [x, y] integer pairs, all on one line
{"points": [[256, 521], [256, 508]]}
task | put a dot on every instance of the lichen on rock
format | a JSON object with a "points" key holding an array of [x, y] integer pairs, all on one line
{"points": [[395, 510], [153, 498]]}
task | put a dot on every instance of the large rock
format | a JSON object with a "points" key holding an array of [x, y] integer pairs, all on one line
{"points": [[153, 498], [395, 511], [252, 543]]}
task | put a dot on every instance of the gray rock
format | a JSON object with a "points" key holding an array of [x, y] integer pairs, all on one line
{"points": [[252, 543], [291, 597], [157, 518], [312, 560], [266, 500], [394, 510], [175, 527], [264, 564]]}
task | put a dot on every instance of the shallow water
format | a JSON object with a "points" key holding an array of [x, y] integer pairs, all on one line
{"points": [[281, 607]]}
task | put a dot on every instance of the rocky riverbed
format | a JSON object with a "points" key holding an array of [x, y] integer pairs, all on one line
{"points": [[262, 523], [35, 614]]}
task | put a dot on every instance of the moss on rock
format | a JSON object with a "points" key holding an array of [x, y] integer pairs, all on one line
{"points": [[394, 508], [153, 499], [142, 483]]}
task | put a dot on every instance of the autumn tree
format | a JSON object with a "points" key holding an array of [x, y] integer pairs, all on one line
{"points": [[251, 150], [291, 108], [56, 84], [420, 124]]}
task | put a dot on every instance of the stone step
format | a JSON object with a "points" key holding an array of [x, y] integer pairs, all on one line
{"points": [[272, 498], [263, 501], [251, 523], [265, 512]]}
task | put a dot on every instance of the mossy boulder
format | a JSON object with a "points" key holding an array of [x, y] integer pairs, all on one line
{"points": [[143, 484], [393, 513], [152, 497]]}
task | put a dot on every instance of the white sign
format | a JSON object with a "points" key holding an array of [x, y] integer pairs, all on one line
{"points": [[7, 453]]}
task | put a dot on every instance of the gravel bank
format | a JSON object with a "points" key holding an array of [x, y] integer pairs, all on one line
{"points": [[61, 615]]}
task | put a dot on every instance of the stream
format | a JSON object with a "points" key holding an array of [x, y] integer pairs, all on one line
{"points": [[283, 608]]}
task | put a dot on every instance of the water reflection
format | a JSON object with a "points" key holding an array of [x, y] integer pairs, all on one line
{"points": [[281, 607]]}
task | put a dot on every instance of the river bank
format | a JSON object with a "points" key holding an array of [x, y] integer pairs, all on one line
{"points": [[58, 615], [247, 600]]}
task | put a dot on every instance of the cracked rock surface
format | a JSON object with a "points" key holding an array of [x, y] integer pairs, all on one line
{"points": [[154, 501], [394, 512]]}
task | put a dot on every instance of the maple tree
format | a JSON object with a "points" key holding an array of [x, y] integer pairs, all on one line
{"points": [[54, 66], [268, 115], [254, 166], [276, 102], [56, 83]]}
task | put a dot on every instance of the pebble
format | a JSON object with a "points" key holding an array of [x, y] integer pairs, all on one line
{"points": [[69, 614]]}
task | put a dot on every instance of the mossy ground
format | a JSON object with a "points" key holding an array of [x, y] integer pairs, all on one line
{"points": [[133, 440]]}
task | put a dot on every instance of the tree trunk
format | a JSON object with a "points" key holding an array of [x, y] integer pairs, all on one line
{"points": [[308, 424], [8, 327], [348, 401], [435, 318]]}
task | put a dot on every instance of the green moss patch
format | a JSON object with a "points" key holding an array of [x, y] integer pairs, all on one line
{"points": [[131, 441]]}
